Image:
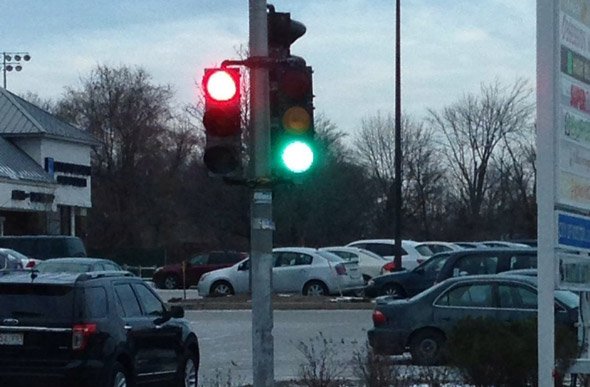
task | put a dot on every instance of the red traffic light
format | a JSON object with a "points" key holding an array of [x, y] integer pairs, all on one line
{"points": [[221, 85]]}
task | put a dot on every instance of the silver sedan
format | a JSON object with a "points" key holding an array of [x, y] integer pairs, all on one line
{"points": [[300, 270]]}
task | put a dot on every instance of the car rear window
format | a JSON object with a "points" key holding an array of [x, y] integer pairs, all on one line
{"points": [[331, 257], [31, 303]]}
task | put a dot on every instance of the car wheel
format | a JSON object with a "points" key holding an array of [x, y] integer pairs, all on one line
{"points": [[393, 290], [118, 376], [188, 371], [221, 288], [171, 282], [426, 348], [315, 288]]}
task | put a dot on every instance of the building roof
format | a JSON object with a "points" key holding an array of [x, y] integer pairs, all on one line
{"points": [[19, 118], [17, 165]]}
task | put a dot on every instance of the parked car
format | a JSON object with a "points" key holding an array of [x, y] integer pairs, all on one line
{"points": [[9, 261], [171, 277], [76, 265], [498, 244], [433, 247], [300, 270], [91, 329], [45, 246], [422, 323], [386, 248], [25, 261], [471, 245], [445, 265], [370, 264]]}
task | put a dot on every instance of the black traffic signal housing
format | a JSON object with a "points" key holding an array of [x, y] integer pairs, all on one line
{"points": [[222, 120], [291, 99]]}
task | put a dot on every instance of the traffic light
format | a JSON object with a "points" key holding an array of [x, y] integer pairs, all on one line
{"points": [[291, 99], [222, 120], [292, 136]]}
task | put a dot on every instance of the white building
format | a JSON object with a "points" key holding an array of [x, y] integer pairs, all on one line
{"points": [[45, 171]]}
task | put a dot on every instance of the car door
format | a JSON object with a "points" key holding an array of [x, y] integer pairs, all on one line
{"points": [[166, 337], [516, 302], [290, 271], [471, 299], [142, 335], [424, 276]]}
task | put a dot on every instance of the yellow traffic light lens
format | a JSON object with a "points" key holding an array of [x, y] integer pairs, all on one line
{"points": [[296, 120], [221, 86], [297, 157]]}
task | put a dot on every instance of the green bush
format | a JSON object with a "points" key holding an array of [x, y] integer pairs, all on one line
{"points": [[491, 352]]}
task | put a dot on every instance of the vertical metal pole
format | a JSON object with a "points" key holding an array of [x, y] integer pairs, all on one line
{"points": [[398, 140], [261, 224], [547, 124]]}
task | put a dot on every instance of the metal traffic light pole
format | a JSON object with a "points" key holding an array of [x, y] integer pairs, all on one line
{"points": [[261, 222]]}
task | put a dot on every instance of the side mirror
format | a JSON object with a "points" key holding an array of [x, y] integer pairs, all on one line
{"points": [[176, 311]]}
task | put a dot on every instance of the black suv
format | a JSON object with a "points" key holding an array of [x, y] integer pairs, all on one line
{"points": [[102, 329], [441, 266]]}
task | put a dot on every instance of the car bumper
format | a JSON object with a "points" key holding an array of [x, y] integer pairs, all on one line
{"points": [[387, 341], [71, 374]]}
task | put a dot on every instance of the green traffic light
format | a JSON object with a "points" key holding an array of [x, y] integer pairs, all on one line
{"points": [[297, 157]]}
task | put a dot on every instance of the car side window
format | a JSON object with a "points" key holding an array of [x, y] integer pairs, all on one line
{"points": [[473, 295], [128, 300], [110, 266], [383, 249], [528, 298], [95, 298], [292, 259], [474, 264], [199, 259], [3, 261], [523, 262], [151, 304], [217, 258]]}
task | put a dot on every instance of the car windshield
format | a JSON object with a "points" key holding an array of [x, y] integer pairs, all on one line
{"points": [[59, 267], [424, 250], [568, 298]]}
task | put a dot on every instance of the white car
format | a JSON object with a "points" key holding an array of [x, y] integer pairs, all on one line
{"points": [[386, 248], [369, 263], [26, 262], [300, 270]]}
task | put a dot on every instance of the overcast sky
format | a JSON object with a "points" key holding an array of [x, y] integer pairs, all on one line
{"points": [[449, 47]]}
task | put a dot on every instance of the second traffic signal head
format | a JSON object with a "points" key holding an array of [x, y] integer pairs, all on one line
{"points": [[222, 119], [292, 117]]}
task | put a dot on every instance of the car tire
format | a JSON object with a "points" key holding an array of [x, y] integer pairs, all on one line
{"points": [[315, 288], [119, 376], [188, 370], [221, 288], [426, 348], [171, 281], [393, 290]]}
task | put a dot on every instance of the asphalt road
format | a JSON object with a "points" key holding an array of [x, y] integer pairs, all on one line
{"points": [[225, 339]]}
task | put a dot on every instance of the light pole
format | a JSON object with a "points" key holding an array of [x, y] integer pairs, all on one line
{"points": [[13, 61], [398, 140]]}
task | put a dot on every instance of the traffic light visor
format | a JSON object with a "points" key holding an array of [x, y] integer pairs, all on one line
{"points": [[221, 84]]}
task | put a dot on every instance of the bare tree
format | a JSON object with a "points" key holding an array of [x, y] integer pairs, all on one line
{"points": [[422, 174], [472, 129]]}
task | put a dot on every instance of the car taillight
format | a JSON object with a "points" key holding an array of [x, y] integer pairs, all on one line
{"points": [[379, 318], [30, 264], [340, 269], [389, 266], [80, 335]]}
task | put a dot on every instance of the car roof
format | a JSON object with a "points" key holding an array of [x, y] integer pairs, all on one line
{"points": [[308, 250]]}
